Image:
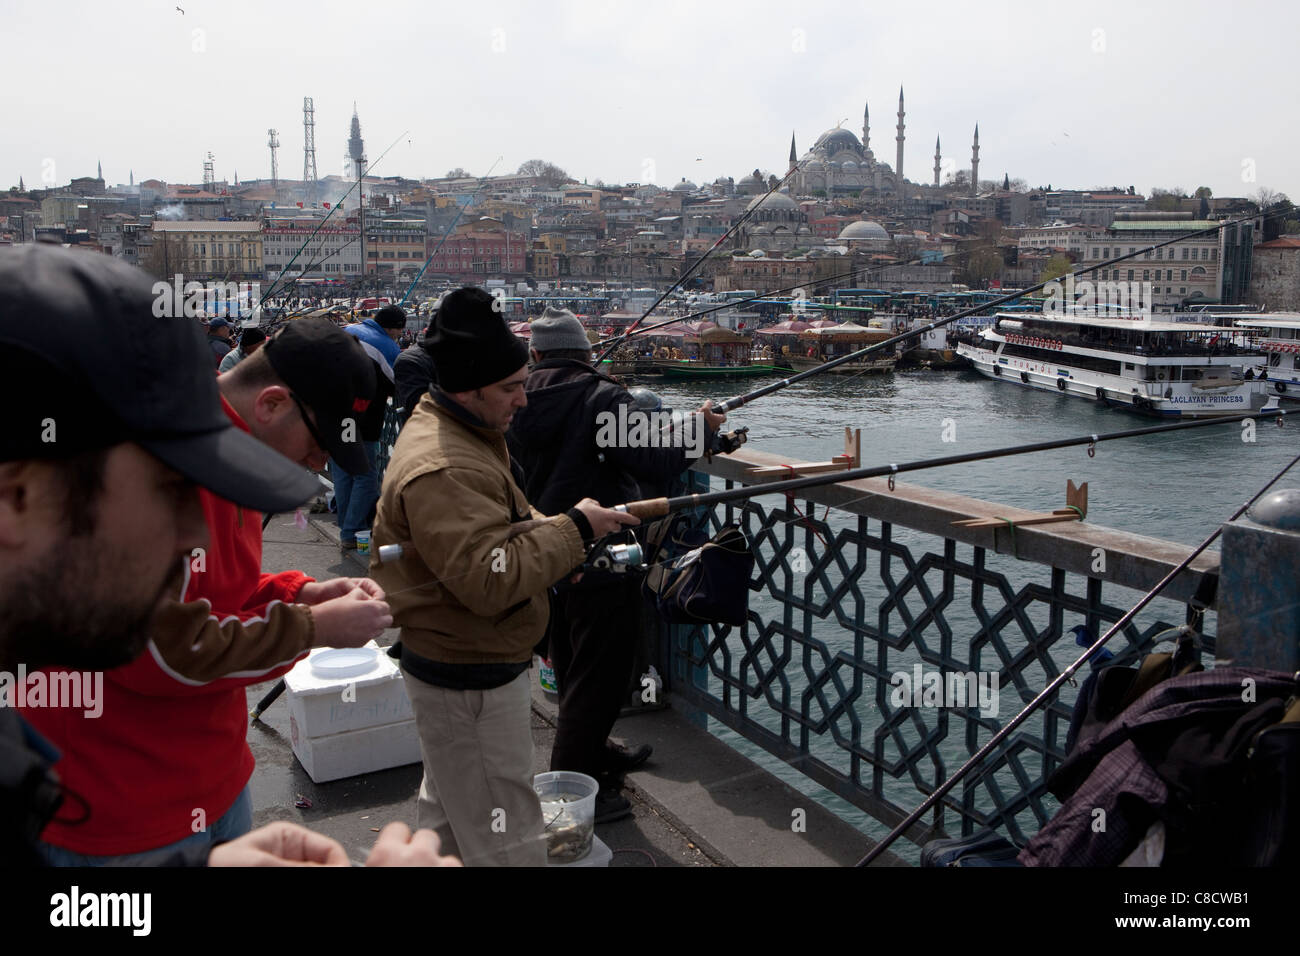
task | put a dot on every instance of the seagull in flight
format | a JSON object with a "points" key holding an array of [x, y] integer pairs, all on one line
{"points": [[182, 11]]}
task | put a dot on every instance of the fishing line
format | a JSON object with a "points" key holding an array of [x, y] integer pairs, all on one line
{"points": [[306, 242], [447, 232], [686, 275], [748, 397], [1061, 678]]}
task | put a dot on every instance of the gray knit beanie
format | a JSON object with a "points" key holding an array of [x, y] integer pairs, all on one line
{"points": [[558, 329]]}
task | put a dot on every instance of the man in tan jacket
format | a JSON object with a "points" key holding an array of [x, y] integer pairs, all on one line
{"points": [[470, 593]]}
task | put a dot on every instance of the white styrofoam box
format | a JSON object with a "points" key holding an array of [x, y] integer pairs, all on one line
{"points": [[352, 752], [319, 705], [598, 855]]}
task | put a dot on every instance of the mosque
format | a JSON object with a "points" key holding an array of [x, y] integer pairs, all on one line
{"points": [[839, 164]]}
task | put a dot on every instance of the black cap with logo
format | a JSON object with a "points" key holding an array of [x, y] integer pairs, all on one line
{"points": [[91, 356], [332, 374]]}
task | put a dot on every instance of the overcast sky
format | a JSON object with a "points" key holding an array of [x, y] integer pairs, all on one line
{"points": [[1073, 94]]}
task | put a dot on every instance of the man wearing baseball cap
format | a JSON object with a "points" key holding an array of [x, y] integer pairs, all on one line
{"points": [[235, 625], [471, 597], [99, 514], [357, 492], [219, 340]]}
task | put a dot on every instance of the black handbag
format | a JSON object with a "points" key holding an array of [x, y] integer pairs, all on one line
{"points": [[707, 583]]}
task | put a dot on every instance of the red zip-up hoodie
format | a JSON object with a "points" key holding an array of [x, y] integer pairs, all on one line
{"points": [[168, 756]]}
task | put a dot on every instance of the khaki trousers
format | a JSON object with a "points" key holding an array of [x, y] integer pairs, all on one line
{"points": [[477, 791]]}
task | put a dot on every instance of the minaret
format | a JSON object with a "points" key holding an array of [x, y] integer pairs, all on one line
{"points": [[898, 166], [936, 160], [975, 163], [99, 170], [866, 129], [794, 156], [21, 187], [133, 177]]}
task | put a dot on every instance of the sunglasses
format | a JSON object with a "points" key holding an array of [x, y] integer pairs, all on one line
{"points": [[306, 420]]}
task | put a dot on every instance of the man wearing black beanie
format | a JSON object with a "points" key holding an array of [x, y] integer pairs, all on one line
{"points": [[470, 596]]}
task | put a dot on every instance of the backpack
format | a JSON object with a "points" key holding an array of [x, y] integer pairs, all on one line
{"points": [[694, 579]]}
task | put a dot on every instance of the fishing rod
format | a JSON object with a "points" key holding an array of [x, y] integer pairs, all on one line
{"points": [[657, 507], [700, 261], [1060, 679], [447, 232], [324, 220], [733, 403]]}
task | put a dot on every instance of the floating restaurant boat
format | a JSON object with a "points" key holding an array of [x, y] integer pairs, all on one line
{"points": [[821, 345], [711, 352], [781, 339], [1280, 344], [1158, 366]]}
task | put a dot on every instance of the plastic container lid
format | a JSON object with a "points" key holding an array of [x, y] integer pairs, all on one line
{"points": [[344, 662]]}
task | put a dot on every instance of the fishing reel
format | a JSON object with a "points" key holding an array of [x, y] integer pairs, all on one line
{"points": [[615, 558], [724, 443]]}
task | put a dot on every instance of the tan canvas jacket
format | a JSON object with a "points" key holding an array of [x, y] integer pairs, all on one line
{"points": [[465, 590]]}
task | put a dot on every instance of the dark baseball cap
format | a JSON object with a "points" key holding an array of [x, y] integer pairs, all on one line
{"points": [[332, 374], [71, 388]]}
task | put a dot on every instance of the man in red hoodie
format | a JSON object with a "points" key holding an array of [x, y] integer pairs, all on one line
{"points": [[165, 762]]}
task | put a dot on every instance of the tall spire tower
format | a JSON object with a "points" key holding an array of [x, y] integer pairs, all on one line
{"points": [[99, 170], [794, 156], [975, 163], [866, 128], [898, 166], [309, 146], [936, 160], [273, 141]]}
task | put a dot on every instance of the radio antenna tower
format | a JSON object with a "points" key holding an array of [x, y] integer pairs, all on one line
{"points": [[209, 178], [309, 145], [273, 140]]}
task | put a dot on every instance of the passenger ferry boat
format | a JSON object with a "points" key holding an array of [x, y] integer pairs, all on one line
{"points": [[1280, 345], [1158, 366]]}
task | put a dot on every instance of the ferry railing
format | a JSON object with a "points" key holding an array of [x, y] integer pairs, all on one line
{"points": [[883, 584]]}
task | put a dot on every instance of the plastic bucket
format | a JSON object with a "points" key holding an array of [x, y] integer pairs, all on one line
{"points": [[568, 813]]}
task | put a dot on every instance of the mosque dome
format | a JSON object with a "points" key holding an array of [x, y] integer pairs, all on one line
{"points": [[685, 187], [777, 202], [753, 183], [864, 229], [834, 140]]}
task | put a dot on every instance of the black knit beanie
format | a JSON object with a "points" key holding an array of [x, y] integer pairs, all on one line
{"points": [[471, 344], [391, 317]]}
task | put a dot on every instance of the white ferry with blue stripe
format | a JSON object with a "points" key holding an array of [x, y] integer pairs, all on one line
{"points": [[1278, 338], [1155, 365]]}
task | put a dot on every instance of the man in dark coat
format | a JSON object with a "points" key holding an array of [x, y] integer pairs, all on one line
{"points": [[581, 435], [413, 375]]}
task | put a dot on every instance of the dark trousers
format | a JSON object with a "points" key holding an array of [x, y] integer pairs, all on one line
{"points": [[593, 642]]}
